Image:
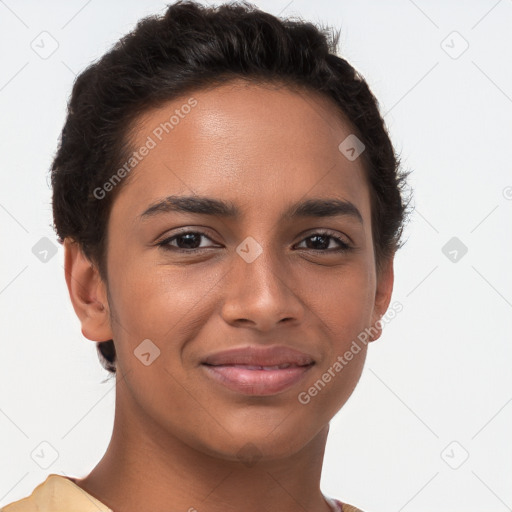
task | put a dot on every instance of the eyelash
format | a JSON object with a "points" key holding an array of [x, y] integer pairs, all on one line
{"points": [[165, 244]]}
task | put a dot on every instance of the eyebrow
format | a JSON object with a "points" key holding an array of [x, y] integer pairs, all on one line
{"points": [[317, 208]]}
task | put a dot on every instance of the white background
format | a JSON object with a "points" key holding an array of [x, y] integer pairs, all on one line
{"points": [[441, 371]]}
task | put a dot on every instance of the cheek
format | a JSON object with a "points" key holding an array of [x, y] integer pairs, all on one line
{"points": [[347, 300], [158, 302], [333, 384], [345, 310]]}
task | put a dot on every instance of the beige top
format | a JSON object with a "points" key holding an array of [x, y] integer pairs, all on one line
{"points": [[60, 494]]}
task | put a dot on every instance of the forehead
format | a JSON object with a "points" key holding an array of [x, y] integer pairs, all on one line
{"points": [[251, 143]]}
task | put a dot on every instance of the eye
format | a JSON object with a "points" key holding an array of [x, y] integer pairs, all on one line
{"points": [[321, 241], [190, 242], [186, 241]]}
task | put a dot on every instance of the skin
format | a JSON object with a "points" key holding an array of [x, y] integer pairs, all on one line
{"points": [[177, 434]]}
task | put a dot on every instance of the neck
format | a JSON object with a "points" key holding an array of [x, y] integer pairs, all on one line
{"points": [[146, 468]]}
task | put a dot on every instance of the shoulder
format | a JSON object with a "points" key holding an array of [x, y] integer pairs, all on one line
{"points": [[29, 503], [338, 506], [56, 494], [350, 508]]}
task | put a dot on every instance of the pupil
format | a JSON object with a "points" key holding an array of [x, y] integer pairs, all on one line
{"points": [[323, 245], [189, 240]]}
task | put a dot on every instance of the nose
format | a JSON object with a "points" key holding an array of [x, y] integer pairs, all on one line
{"points": [[262, 293]]}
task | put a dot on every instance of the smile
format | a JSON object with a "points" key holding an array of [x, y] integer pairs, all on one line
{"points": [[255, 379]]}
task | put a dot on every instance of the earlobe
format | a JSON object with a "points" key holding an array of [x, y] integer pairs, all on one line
{"points": [[385, 280], [87, 292]]}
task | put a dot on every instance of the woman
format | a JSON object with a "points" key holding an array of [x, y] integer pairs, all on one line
{"points": [[230, 205]]}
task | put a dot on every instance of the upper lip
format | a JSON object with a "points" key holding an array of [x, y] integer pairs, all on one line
{"points": [[260, 356]]}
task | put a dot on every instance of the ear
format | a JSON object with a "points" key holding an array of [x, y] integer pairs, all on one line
{"points": [[385, 280], [88, 293]]}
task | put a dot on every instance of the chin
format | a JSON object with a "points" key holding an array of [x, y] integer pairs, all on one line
{"points": [[252, 446]]}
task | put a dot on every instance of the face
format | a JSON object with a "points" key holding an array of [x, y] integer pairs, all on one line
{"points": [[194, 281]]}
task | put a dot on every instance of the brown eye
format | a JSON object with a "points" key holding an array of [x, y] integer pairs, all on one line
{"points": [[321, 241], [187, 241]]}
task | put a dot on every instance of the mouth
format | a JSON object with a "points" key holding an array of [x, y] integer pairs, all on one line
{"points": [[259, 367], [258, 356], [258, 371], [257, 380]]}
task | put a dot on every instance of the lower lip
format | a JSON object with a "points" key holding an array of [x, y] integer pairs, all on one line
{"points": [[257, 382]]}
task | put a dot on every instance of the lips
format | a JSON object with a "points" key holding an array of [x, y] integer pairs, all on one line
{"points": [[276, 355], [261, 371], [258, 367]]}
